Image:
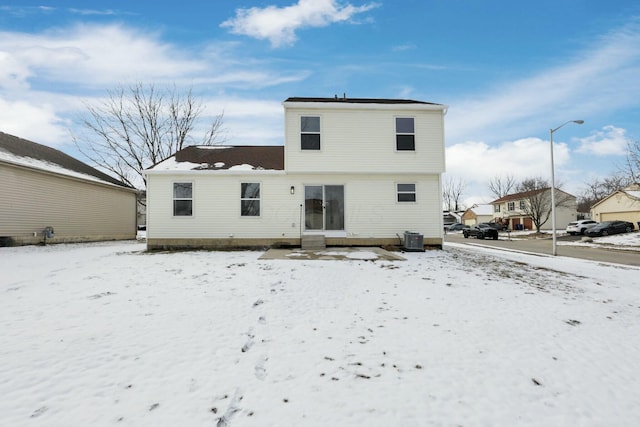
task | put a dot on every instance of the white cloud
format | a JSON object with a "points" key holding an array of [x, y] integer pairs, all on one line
{"points": [[602, 76], [39, 123], [608, 141], [477, 162], [279, 24]]}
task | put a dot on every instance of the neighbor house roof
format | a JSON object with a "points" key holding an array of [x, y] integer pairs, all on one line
{"points": [[225, 157], [525, 194], [519, 196], [482, 209], [21, 152], [631, 192], [344, 99]]}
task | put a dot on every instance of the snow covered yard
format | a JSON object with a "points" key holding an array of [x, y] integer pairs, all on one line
{"points": [[106, 334]]}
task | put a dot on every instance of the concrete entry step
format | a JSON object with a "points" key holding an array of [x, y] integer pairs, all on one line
{"points": [[313, 242]]}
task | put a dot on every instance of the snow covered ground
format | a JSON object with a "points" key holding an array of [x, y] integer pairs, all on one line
{"points": [[107, 334]]}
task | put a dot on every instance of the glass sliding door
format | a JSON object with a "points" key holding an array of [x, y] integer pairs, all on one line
{"points": [[334, 207], [324, 207]]}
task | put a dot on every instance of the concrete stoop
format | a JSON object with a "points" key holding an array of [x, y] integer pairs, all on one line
{"points": [[313, 242]]}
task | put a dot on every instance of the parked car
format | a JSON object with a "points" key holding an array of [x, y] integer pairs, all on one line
{"points": [[610, 227], [579, 227], [481, 231], [497, 225], [456, 227]]}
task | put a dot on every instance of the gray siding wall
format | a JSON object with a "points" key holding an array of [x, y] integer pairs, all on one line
{"points": [[78, 210]]}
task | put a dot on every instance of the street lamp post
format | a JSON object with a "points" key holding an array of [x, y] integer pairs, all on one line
{"points": [[553, 185]]}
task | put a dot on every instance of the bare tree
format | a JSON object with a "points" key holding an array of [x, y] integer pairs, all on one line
{"points": [[452, 190], [631, 167], [598, 189], [536, 194], [501, 186], [138, 126]]}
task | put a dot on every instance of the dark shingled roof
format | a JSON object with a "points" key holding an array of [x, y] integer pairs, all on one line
{"points": [[359, 100], [24, 148], [259, 156], [519, 196]]}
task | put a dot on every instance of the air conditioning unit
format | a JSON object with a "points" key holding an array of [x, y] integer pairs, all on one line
{"points": [[413, 241]]}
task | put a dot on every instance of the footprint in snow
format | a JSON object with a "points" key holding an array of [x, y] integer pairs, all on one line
{"points": [[260, 370]]}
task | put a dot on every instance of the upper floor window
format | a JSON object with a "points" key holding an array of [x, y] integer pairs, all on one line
{"points": [[511, 206], [405, 134], [406, 192], [250, 199], [522, 206], [496, 208], [310, 132], [182, 199]]}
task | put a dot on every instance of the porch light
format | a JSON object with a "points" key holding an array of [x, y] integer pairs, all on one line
{"points": [[292, 190]]}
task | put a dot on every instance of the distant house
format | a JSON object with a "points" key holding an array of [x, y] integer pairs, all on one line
{"points": [[622, 205], [449, 218], [478, 214], [513, 209], [42, 187], [352, 171]]}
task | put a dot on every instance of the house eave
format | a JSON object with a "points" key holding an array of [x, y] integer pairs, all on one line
{"points": [[79, 177], [339, 105]]}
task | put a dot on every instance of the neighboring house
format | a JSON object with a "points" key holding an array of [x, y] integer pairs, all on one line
{"points": [[513, 209], [42, 187], [142, 210], [477, 214], [451, 218], [351, 172], [622, 205]]}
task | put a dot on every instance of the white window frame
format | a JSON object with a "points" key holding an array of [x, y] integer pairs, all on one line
{"points": [[511, 206], [318, 132], [399, 192], [252, 199], [174, 199], [398, 133]]}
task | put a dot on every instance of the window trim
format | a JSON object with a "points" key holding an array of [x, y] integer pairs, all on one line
{"points": [[174, 199], [496, 208], [319, 132], [523, 205], [511, 206], [399, 192], [401, 134], [259, 199]]}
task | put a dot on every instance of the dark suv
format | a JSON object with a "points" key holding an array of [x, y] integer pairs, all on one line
{"points": [[497, 225], [481, 231]]}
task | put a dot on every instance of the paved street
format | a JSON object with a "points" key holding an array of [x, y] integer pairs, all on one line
{"points": [[544, 246]]}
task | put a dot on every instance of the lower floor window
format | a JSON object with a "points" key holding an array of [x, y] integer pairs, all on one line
{"points": [[406, 192], [182, 199], [250, 199]]}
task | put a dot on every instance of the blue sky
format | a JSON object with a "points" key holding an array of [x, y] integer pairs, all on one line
{"points": [[509, 71]]}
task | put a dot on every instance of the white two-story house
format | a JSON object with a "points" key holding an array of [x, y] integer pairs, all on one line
{"points": [[357, 172], [517, 210]]}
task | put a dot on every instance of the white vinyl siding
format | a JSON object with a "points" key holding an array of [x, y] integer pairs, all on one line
{"points": [[363, 141], [370, 209]]}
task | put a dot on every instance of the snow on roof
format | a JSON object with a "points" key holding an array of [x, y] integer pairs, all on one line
{"points": [[634, 194], [171, 164], [224, 158], [483, 209], [46, 166], [22, 152]]}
